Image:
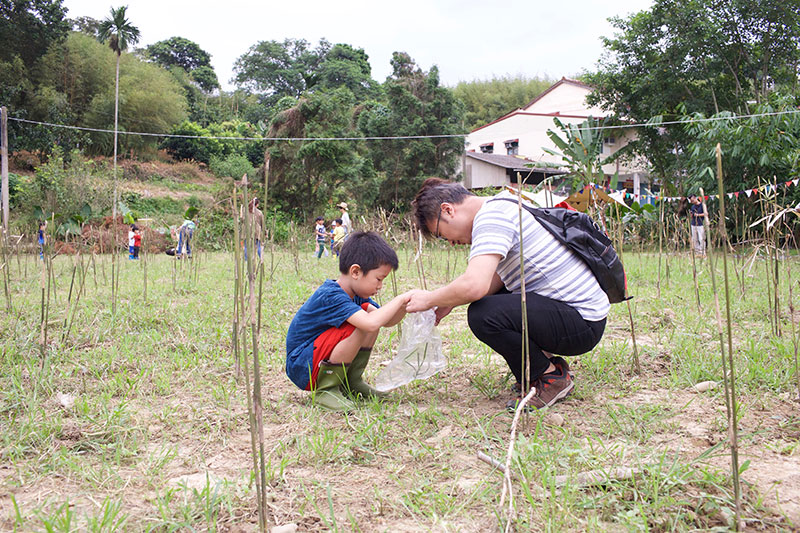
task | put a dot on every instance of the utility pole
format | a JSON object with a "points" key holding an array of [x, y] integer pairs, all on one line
{"points": [[4, 163]]}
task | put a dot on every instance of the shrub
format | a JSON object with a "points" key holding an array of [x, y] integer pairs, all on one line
{"points": [[233, 165]]}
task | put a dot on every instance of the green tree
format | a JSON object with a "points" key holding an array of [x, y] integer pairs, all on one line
{"points": [[274, 69], [190, 148], [416, 104], [345, 66], [178, 51], [701, 56], [306, 176], [765, 148], [487, 100], [28, 27]]}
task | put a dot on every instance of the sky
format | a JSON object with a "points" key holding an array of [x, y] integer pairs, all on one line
{"points": [[467, 39]]}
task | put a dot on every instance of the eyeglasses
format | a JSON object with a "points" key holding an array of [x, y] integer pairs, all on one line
{"points": [[438, 220]]}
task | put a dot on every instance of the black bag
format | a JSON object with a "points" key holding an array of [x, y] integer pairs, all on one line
{"points": [[578, 232], [170, 251]]}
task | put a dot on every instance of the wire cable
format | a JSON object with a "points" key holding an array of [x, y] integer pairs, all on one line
{"points": [[402, 137]]}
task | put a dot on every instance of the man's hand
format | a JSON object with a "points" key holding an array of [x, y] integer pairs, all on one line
{"points": [[442, 312], [419, 300]]}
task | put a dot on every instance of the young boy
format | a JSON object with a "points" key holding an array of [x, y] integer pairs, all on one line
{"points": [[42, 237], [330, 339], [137, 241], [338, 236], [319, 234], [131, 234]]}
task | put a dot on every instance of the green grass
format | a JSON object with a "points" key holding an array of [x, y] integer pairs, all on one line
{"points": [[157, 399]]}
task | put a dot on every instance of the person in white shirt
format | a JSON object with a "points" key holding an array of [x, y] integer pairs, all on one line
{"points": [[348, 227], [566, 307]]}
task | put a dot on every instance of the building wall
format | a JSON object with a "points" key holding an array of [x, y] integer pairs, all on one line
{"points": [[531, 130], [566, 99], [481, 174]]}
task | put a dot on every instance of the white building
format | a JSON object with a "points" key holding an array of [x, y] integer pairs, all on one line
{"points": [[523, 133]]}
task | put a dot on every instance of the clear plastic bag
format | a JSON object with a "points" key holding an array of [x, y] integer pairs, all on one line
{"points": [[419, 355]]}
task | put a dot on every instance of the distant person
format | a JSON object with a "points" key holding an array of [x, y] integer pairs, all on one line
{"points": [[137, 241], [256, 226], [131, 234], [338, 236], [348, 226], [320, 235], [566, 307], [697, 214], [330, 339], [185, 232], [42, 237]]}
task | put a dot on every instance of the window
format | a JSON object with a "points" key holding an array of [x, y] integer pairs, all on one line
{"points": [[512, 146], [487, 148]]}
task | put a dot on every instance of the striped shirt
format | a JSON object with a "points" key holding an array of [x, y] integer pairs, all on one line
{"points": [[551, 269]]}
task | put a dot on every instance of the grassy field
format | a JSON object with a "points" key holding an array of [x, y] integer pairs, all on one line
{"points": [[138, 422]]}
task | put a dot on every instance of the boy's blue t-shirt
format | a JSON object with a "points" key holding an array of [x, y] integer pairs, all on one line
{"points": [[329, 307]]}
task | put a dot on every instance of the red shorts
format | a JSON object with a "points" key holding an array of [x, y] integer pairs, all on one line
{"points": [[326, 342]]}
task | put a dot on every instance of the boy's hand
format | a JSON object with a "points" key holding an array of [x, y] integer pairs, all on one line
{"points": [[419, 300]]}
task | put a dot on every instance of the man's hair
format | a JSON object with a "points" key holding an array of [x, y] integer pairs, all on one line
{"points": [[338, 221], [368, 250], [428, 203]]}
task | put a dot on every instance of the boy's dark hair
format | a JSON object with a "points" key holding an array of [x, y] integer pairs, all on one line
{"points": [[339, 221], [428, 202], [368, 250], [318, 219]]}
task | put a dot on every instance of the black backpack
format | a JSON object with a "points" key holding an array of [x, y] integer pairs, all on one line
{"points": [[578, 232]]}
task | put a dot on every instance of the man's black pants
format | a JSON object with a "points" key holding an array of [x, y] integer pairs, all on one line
{"points": [[553, 326]]}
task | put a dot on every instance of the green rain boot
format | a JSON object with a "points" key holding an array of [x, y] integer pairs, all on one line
{"points": [[326, 393], [355, 384]]}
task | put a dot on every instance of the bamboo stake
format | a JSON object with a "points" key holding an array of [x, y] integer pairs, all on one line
{"points": [[526, 369], [6, 268], [729, 379], [660, 246], [236, 287], [256, 412]]}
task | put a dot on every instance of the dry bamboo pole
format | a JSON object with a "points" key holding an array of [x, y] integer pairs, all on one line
{"points": [[256, 411], [794, 342], [636, 366], [728, 368], [65, 333], [694, 267], [526, 367], [660, 246], [69, 298], [6, 268], [236, 288], [94, 271]]}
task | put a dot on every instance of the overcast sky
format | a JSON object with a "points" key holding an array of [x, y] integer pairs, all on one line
{"points": [[467, 39]]}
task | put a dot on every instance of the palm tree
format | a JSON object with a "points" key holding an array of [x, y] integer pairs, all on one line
{"points": [[118, 32]]}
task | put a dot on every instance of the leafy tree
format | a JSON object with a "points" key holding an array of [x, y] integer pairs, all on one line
{"points": [[206, 78], [275, 69], [87, 25], [28, 27], [763, 148], [305, 176], [487, 100], [180, 52], [345, 66], [189, 148], [416, 104], [153, 103], [702, 56]]}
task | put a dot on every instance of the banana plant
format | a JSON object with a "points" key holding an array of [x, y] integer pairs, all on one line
{"points": [[580, 151]]}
